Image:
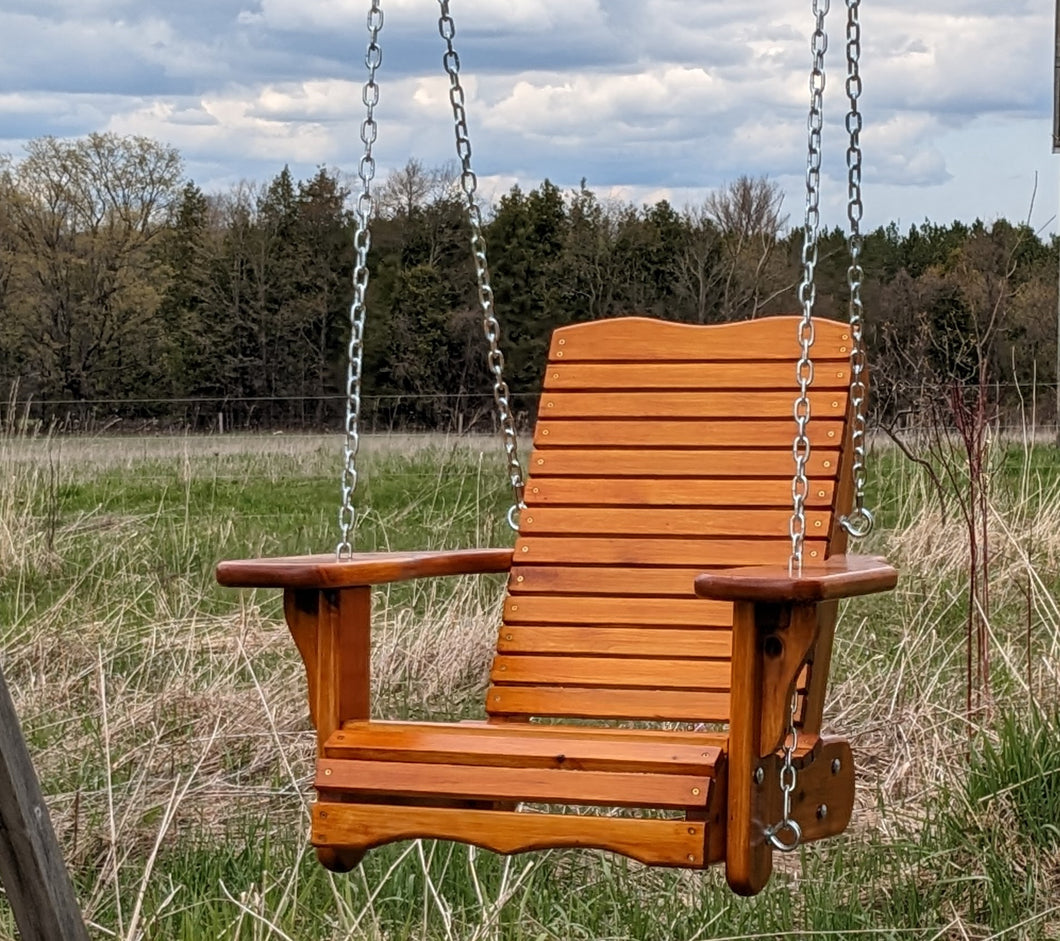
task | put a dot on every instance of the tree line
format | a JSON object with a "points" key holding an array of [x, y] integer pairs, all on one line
{"points": [[128, 292]]}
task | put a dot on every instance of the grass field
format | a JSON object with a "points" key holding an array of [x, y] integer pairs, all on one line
{"points": [[168, 721]]}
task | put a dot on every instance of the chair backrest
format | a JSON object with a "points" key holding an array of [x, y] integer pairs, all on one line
{"points": [[661, 450]]}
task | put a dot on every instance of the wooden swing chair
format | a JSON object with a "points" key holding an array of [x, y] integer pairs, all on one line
{"points": [[680, 552]]}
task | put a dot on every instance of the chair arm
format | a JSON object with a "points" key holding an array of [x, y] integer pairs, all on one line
{"points": [[359, 569], [782, 624], [842, 576]]}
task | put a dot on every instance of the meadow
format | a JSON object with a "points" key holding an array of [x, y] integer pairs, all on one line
{"points": [[168, 722]]}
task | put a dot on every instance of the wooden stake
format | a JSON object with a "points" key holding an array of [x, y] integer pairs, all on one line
{"points": [[31, 863]]}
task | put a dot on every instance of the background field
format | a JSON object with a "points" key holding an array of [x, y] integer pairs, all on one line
{"points": [[168, 722]]}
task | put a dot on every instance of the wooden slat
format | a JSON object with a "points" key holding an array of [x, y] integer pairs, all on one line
{"points": [[682, 433], [600, 580], [362, 568], [540, 785], [655, 521], [705, 553], [660, 491], [651, 841], [641, 338], [530, 745], [616, 641], [589, 462], [612, 672], [771, 374], [572, 702], [776, 405], [663, 612]]}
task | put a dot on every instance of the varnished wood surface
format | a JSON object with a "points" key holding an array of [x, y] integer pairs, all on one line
{"points": [[32, 871], [765, 339], [837, 577], [654, 842], [362, 568], [526, 745], [699, 493], [638, 641], [771, 375], [540, 785], [614, 702]]}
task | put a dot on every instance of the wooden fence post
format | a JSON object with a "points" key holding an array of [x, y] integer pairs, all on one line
{"points": [[31, 864]]}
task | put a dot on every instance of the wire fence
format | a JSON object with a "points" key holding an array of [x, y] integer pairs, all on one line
{"points": [[1014, 408]]}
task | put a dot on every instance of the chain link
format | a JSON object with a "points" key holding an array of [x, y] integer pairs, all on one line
{"points": [[859, 522], [800, 485], [373, 59], [490, 325], [788, 781]]}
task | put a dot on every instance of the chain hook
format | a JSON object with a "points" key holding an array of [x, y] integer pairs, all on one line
{"points": [[859, 523]]}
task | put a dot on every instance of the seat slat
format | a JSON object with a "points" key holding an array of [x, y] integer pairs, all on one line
{"points": [[528, 745], [643, 462], [776, 405], [681, 433], [774, 374], [640, 339], [544, 785], [578, 703], [705, 553], [616, 641], [659, 491], [653, 842], [676, 673], [653, 521], [663, 612]]}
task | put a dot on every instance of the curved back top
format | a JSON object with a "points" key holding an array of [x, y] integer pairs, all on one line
{"points": [[661, 450]]}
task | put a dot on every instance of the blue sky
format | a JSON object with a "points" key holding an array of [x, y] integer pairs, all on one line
{"points": [[645, 99]]}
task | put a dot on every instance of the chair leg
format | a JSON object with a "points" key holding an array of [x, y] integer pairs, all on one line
{"points": [[339, 860]]}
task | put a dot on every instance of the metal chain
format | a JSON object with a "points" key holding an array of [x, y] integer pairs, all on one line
{"points": [[373, 59], [788, 781], [800, 485], [859, 522], [490, 325]]}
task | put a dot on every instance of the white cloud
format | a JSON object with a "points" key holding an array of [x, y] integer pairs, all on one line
{"points": [[652, 98]]}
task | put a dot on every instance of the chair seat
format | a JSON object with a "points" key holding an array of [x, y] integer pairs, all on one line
{"points": [[521, 761]]}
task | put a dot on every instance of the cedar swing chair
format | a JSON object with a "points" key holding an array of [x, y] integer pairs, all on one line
{"points": [[680, 552]]}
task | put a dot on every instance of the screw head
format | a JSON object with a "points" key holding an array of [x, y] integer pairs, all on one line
{"points": [[837, 766], [760, 774], [822, 811]]}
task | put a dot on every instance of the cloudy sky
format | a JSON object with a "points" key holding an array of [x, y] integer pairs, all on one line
{"points": [[644, 99]]}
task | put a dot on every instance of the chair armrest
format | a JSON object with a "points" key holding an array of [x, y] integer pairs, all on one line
{"points": [[842, 576], [359, 569]]}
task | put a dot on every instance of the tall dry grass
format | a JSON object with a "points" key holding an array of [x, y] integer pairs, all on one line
{"points": [[168, 720]]}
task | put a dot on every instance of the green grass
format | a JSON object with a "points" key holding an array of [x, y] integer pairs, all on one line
{"points": [[167, 716]]}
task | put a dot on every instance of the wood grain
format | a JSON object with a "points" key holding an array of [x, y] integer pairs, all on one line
{"points": [[606, 611], [680, 492], [525, 745], [653, 842], [638, 339], [32, 871], [842, 576], [769, 374], [625, 672], [713, 405], [367, 568], [540, 785], [636, 704], [615, 641]]}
